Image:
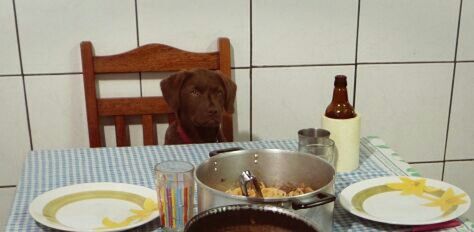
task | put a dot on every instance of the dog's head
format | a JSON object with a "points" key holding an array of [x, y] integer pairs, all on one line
{"points": [[200, 95]]}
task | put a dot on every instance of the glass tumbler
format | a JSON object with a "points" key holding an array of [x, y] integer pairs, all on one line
{"points": [[175, 189], [317, 142]]}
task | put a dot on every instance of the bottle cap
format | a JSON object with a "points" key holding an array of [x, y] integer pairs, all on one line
{"points": [[340, 81]]}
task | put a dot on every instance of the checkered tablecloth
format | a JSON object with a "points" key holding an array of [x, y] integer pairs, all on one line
{"points": [[49, 169]]}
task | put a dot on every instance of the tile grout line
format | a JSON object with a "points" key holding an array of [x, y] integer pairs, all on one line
{"points": [[426, 162], [299, 65], [408, 62], [346, 64], [459, 160], [138, 45], [77, 73], [356, 56], [242, 67], [53, 74], [441, 161], [452, 91], [271, 66], [251, 72], [22, 75], [10, 75]]}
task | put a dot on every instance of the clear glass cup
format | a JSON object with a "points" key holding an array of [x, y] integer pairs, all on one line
{"points": [[317, 142], [175, 189]]}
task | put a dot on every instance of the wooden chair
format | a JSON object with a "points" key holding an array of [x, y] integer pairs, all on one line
{"points": [[147, 58]]}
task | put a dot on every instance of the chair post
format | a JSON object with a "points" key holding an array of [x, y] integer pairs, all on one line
{"points": [[224, 56], [87, 54], [224, 67]]}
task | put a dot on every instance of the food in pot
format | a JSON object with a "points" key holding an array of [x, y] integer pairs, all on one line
{"points": [[249, 218], [284, 191], [250, 228]]}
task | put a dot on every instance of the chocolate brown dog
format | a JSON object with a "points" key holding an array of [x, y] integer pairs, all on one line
{"points": [[198, 97]]}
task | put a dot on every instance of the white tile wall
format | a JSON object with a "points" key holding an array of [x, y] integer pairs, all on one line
{"points": [[430, 170], [461, 128], [460, 174], [151, 83], [6, 200], [242, 105], [303, 36], [304, 32], [407, 106], [118, 85], [196, 25], [57, 111], [466, 33], [407, 30], [9, 59], [14, 142], [51, 31], [285, 100]]}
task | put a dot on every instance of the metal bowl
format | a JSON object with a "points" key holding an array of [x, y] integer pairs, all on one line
{"points": [[248, 218], [273, 167]]}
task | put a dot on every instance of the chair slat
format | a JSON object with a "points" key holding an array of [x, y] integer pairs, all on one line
{"points": [[121, 132], [153, 58], [132, 106], [149, 130]]}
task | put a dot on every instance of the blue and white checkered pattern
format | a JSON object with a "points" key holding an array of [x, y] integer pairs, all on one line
{"points": [[50, 169]]}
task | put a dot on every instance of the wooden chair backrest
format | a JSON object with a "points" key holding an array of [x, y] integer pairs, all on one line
{"points": [[147, 58]]}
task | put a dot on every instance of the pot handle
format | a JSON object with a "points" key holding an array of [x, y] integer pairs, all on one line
{"points": [[319, 199], [217, 152]]}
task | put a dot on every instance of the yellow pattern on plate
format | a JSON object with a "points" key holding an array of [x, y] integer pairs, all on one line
{"points": [[147, 204], [148, 207], [50, 209], [445, 199], [448, 201]]}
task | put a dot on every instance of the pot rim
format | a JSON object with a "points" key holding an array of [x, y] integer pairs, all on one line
{"points": [[267, 199], [237, 207]]}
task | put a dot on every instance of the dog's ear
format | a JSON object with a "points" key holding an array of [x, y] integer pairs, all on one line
{"points": [[230, 90], [171, 88]]}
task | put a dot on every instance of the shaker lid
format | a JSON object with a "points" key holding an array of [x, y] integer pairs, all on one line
{"points": [[174, 166]]}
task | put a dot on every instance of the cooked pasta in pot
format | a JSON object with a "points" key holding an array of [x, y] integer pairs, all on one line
{"points": [[273, 191]]}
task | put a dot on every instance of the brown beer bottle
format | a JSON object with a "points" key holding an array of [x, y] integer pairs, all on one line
{"points": [[340, 108]]}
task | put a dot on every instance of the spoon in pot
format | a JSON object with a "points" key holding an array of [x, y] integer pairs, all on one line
{"points": [[247, 177]]}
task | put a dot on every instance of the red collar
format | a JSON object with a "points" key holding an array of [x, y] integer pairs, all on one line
{"points": [[184, 137], [182, 134]]}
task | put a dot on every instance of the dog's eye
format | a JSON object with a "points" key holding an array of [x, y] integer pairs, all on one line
{"points": [[195, 92]]}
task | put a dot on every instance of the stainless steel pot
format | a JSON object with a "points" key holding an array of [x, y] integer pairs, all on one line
{"points": [[275, 168], [249, 218]]}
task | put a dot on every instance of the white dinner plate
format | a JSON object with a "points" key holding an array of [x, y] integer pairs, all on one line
{"points": [[95, 207], [404, 200]]}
